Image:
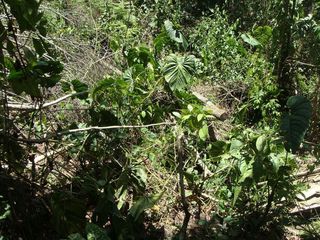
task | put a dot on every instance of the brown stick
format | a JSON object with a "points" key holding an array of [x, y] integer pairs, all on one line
{"points": [[298, 175], [185, 205], [307, 173], [219, 113], [50, 137], [26, 106]]}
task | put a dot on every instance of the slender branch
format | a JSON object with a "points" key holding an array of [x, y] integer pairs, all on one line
{"points": [[297, 175], [185, 205], [24, 106], [305, 64], [92, 128]]}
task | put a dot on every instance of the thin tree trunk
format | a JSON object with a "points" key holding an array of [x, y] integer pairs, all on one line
{"points": [[284, 71], [185, 205]]}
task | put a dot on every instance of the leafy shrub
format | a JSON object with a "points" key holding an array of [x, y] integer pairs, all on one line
{"points": [[260, 176], [260, 103], [224, 58]]}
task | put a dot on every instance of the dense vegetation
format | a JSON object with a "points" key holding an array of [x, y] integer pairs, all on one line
{"points": [[141, 119]]}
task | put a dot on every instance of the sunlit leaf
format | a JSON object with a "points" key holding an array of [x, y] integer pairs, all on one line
{"points": [[261, 143], [175, 35], [250, 40], [178, 70], [142, 204], [204, 132], [236, 194]]}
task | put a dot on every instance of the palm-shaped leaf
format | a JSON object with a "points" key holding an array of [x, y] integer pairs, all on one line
{"points": [[178, 70], [295, 123]]}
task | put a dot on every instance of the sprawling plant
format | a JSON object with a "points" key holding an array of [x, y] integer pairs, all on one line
{"points": [[223, 57], [98, 162]]}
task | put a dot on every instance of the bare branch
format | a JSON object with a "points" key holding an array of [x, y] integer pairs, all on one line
{"points": [[92, 128], [24, 106], [304, 64], [219, 113]]}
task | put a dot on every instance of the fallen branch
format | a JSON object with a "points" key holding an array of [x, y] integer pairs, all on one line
{"points": [[216, 111], [48, 154], [185, 206], [307, 173], [92, 128], [304, 64], [297, 175], [37, 106]]}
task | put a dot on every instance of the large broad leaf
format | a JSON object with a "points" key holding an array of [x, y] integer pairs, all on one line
{"points": [[295, 123], [178, 70], [175, 35]]}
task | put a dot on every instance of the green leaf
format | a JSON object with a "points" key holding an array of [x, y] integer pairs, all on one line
{"points": [[263, 34], [161, 41], [5, 209], [66, 86], [204, 132], [75, 236], [250, 40], [246, 173], [276, 163], [26, 13], [49, 67], [94, 232], [22, 82], [178, 70], [110, 85], [185, 117], [140, 55], [29, 55], [235, 144], [175, 35], [176, 114], [121, 195], [218, 148], [200, 117], [261, 143], [295, 123], [190, 107], [236, 194], [37, 44], [79, 87], [142, 204]]}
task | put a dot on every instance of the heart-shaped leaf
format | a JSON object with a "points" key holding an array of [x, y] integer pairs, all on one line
{"points": [[295, 123]]}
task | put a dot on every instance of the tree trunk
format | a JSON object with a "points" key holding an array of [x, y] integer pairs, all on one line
{"points": [[284, 70]]}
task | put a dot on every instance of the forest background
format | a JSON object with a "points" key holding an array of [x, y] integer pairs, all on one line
{"points": [[141, 119]]}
